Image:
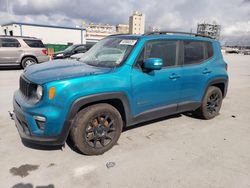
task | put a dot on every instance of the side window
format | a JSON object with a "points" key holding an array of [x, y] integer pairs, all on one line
{"points": [[164, 49], [80, 49], [34, 43], [9, 42], [194, 52]]}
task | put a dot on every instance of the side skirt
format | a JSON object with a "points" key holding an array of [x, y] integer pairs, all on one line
{"points": [[164, 111]]}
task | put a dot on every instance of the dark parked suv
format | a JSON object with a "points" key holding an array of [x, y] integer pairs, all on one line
{"points": [[121, 81], [21, 51], [71, 50]]}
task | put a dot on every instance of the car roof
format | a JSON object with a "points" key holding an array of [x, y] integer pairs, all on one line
{"points": [[184, 36], [21, 37]]}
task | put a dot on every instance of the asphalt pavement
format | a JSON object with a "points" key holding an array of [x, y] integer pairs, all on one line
{"points": [[177, 151]]}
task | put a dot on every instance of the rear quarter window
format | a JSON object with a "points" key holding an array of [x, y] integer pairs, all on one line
{"points": [[34, 43]]}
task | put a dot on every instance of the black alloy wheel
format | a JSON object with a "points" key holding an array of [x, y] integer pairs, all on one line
{"points": [[96, 129], [100, 131], [211, 103]]}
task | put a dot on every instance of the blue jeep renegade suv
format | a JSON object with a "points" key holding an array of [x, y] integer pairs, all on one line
{"points": [[120, 81]]}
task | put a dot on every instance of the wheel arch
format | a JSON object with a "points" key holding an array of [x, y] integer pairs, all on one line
{"points": [[25, 56], [221, 83], [116, 99]]}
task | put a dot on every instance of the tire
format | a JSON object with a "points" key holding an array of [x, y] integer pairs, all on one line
{"points": [[96, 129], [27, 61], [211, 104]]}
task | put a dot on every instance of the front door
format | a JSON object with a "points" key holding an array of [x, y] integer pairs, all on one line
{"points": [[10, 51], [157, 89]]}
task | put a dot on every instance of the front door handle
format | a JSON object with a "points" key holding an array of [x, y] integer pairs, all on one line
{"points": [[174, 76], [206, 71]]}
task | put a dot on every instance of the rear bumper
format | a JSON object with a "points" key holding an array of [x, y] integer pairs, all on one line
{"points": [[225, 89], [28, 136], [42, 59]]}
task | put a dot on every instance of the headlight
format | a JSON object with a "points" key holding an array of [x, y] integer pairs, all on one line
{"points": [[59, 55], [39, 92]]}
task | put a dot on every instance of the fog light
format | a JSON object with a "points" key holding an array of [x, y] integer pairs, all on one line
{"points": [[40, 121]]}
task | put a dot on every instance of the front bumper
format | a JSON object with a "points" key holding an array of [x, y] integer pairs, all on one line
{"points": [[29, 136]]}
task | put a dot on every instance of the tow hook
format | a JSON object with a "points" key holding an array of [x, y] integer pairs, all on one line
{"points": [[11, 114]]}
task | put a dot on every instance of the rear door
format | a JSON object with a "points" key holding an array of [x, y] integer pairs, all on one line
{"points": [[36, 48], [10, 51], [197, 59]]}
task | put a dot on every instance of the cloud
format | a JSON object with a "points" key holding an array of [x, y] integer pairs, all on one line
{"points": [[233, 15]]}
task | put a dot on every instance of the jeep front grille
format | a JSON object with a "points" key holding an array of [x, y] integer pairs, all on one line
{"points": [[26, 87]]}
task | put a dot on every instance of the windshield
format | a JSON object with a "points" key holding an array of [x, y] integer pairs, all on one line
{"points": [[109, 52], [70, 48]]}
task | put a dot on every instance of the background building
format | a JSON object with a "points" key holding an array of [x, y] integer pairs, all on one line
{"points": [[96, 32], [137, 23], [154, 28], [1, 30], [47, 33], [212, 30], [122, 29]]}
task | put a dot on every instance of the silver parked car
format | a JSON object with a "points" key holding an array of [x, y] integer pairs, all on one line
{"points": [[21, 51]]}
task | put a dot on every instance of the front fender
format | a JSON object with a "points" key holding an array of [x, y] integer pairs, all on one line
{"points": [[80, 102]]}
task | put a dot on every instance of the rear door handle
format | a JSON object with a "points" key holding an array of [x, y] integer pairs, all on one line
{"points": [[206, 71], [174, 76]]}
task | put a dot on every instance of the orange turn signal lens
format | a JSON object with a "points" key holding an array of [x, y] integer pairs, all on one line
{"points": [[52, 92]]}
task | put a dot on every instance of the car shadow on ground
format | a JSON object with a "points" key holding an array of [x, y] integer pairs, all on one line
{"points": [[10, 68], [150, 122], [72, 147], [29, 185], [71, 144]]}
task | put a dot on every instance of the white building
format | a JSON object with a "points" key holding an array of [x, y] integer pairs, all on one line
{"points": [[47, 33], [137, 23], [96, 32], [1, 30], [154, 28], [209, 29], [122, 28]]}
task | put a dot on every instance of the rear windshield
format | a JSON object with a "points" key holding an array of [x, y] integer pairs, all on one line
{"points": [[34, 43]]}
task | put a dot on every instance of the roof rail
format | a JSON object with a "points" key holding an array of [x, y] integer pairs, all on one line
{"points": [[115, 35], [175, 32], [18, 36]]}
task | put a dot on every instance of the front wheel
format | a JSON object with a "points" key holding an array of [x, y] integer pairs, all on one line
{"points": [[96, 129], [211, 103]]}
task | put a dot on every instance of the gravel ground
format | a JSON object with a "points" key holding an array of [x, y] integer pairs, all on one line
{"points": [[178, 151]]}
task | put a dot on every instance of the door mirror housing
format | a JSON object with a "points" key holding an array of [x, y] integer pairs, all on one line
{"points": [[153, 63]]}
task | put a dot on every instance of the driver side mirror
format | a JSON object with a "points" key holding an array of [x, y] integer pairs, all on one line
{"points": [[153, 63]]}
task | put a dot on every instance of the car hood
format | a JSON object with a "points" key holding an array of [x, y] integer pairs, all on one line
{"points": [[61, 69], [76, 56]]}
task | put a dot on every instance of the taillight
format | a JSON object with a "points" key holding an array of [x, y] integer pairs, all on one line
{"points": [[45, 51]]}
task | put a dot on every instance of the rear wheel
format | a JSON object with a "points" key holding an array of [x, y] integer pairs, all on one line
{"points": [[211, 103], [28, 61], [96, 129]]}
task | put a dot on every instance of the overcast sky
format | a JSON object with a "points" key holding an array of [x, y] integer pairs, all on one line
{"points": [[183, 15]]}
